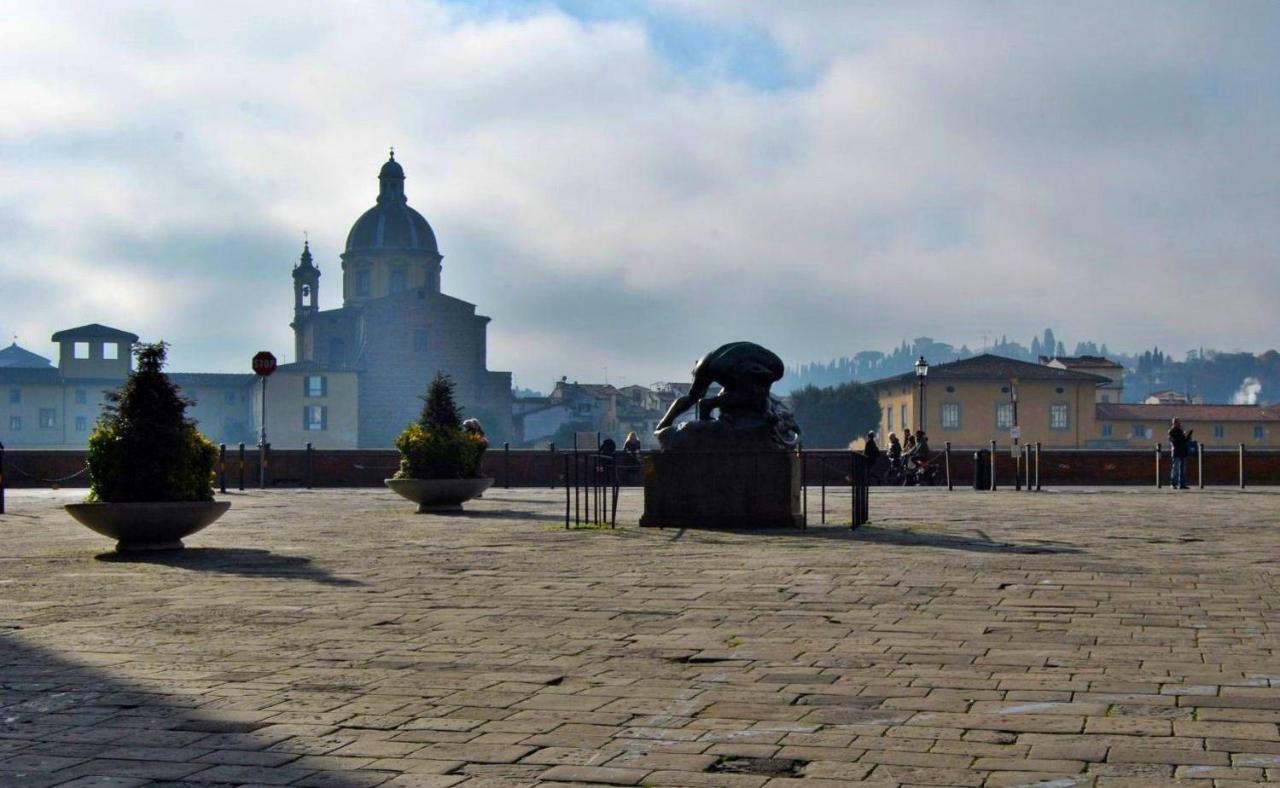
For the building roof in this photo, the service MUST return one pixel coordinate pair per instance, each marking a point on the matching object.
(597, 390)
(391, 224)
(30, 375)
(94, 331)
(14, 356)
(1116, 411)
(1085, 362)
(992, 367)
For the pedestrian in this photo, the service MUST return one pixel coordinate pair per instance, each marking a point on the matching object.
(632, 446)
(895, 448)
(1180, 444)
(872, 452)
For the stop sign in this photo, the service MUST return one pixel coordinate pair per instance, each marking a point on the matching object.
(264, 363)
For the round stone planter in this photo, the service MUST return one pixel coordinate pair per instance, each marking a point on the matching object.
(159, 525)
(439, 495)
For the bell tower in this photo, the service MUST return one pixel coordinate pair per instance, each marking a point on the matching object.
(306, 297)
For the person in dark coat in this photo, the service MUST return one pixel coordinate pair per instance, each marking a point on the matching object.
(872, 452)
(1180, 443)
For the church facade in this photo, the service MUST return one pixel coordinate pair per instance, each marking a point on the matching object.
(395, 330)
(359, 370)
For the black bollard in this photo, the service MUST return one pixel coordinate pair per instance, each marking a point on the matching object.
(1242, 466)
(946, 456)
(1159, 481)
(1037, 466)
(506, 465)
(222, 468)
(1200, 464)
(308, 466)
(993, 466)
(1, 478)
(242, 467)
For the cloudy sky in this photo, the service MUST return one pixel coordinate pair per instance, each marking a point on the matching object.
(622, 185)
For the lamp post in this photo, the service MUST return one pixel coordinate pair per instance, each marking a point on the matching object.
(922, 370)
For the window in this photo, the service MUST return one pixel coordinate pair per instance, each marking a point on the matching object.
(47, 418)
(1141, 431)
(82, 423)
(230, 397)
(15, 423)
(1259, 432)
(315, 385)
(15, 396)
(420, 340)
(1106, 430)
(582, 407)
(1219, 431)
(398, 280)
(110, 351)
(888, 419)
(79, 349)
(1106, 397)
(904, 417)
(1058, 416)
(363, 280)
(951, 415)
(315, 418)
(82, 397)
(1004, 415)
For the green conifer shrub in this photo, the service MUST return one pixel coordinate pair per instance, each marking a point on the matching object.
(435, 446)
(144, 448)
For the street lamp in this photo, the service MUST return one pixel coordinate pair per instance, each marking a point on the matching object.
(922, 370)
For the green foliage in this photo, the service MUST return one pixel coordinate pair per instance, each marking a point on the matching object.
(439, 410)
(435, 447)
(144, 448)
(832, 417)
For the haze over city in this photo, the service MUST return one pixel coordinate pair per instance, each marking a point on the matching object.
(623, 185)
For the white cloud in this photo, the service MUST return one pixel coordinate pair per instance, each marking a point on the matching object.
(1108, 170)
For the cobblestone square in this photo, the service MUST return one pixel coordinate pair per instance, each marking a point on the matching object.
(336, 638)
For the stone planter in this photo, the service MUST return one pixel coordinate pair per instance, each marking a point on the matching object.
(439, 495)
(159, 525)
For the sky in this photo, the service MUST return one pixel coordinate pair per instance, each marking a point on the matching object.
(624, 185)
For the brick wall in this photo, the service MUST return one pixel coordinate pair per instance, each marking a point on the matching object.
(536, 468)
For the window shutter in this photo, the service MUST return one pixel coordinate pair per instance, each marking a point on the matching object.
(324, 386)
(305, 421)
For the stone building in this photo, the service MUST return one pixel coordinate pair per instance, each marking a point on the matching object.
(394, 331)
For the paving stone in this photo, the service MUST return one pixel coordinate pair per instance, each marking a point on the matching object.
(335, 638)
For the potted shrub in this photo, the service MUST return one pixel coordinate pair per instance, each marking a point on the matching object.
(439, 460)
(150, 470)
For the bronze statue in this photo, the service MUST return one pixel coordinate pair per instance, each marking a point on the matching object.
(749, 418)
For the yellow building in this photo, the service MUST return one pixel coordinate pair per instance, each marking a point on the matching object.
(310, 403)
(987, 397)
(1125, 426)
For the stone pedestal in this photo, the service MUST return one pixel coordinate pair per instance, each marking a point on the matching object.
(755, 489)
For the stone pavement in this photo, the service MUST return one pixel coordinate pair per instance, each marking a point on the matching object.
(335, 638)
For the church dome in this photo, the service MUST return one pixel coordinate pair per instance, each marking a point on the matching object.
(391, 224)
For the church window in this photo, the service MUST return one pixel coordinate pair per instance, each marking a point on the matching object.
(15, 423)
(315, 418)
(82, 423)
(316, 385)
(15, 396)
(398, 280)
(82, 397)
(79, 349)
(110, 351)
(364, 278)
(47, 418)
(421, 340)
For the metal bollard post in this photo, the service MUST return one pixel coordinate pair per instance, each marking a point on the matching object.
(1159, 481)
(1242, 466)
(1017, 468)
(946, 459)
(222, 467)
(1037, 466)
(266, 461)
(1200, 464)
(1026, 466)
(242, 467)
(1, 478)
(993, 466)
(506, 465)
(308, 466)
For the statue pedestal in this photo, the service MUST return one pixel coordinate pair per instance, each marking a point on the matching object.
(734, 489)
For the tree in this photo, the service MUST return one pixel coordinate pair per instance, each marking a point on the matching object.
(832, 417)
(439, 410)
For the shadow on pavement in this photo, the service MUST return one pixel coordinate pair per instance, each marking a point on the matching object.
(878, 535)
(233, 561)
(62, 722)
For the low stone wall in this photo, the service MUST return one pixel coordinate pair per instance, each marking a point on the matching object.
(542, 468)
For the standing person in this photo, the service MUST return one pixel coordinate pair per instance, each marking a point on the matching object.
(1180, 443)
(895, 448)
(632, 446)
(872, 452)
(908, 443)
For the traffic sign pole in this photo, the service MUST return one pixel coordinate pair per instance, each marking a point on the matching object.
(263, 365)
